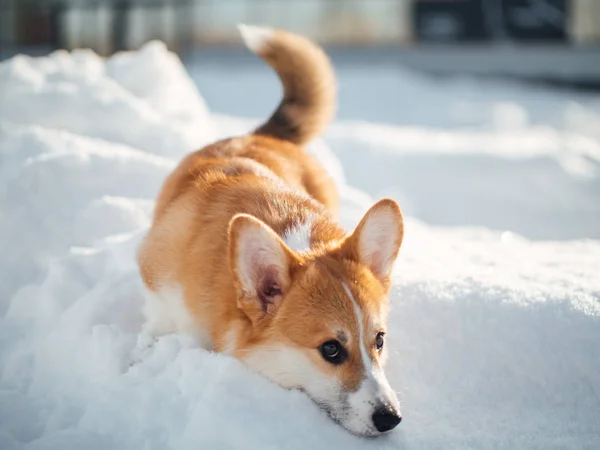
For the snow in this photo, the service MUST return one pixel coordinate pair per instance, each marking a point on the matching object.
(495, 318)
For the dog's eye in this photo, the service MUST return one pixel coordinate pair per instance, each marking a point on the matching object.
(333, 352)
(379, 340)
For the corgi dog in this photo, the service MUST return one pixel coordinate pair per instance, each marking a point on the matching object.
(245, 254)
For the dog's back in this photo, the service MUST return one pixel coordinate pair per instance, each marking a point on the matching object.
(276, 147)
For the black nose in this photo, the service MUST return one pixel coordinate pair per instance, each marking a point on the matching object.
(386, 419)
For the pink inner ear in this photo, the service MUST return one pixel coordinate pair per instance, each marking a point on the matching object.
(268, 286)
(376, 263)
(262, 268)
(377, 252)
(255, 259)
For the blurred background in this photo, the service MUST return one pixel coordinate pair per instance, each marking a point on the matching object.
(549, 40)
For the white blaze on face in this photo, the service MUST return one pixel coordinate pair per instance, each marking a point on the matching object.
(374, 390)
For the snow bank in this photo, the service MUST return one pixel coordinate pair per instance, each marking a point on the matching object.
(494, 337)
(142, 99)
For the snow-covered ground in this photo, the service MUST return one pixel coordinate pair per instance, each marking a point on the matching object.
(495, 325)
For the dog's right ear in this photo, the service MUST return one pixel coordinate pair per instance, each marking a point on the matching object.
(261, 264)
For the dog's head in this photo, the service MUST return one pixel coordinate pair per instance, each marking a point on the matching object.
(319, 322)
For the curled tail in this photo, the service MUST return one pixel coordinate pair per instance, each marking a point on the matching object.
(309, 85)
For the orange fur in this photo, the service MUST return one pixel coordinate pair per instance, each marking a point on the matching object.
(226, 199)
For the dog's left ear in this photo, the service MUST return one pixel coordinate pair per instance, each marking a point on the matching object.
(376, 240)
(261, 264)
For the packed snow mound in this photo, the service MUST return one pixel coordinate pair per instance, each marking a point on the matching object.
(493, 337)
(143, 99)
